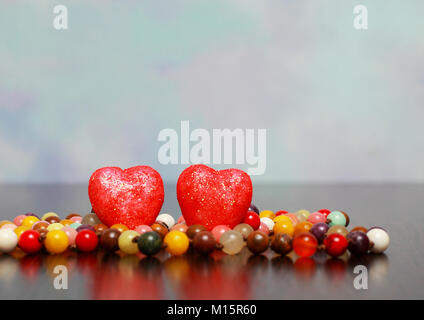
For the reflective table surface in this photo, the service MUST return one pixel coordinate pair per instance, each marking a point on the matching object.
(396, 274)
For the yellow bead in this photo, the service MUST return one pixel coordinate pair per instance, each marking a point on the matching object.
(119, 226)
(176, 242)
(66, 222)
(19, 230)
(49, 214)
(29, 221)
(304, 213)
(3, 222)
(282, 218)
(126, 243)
(56, 241)
(284, 227)
(55, 226)
(267, 214)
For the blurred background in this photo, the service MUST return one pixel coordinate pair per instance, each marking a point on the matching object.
(339, 105)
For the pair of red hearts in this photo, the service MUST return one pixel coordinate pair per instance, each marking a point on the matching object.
(135, 196)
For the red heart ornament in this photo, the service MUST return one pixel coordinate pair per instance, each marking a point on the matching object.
(133, 196)
(210, 198)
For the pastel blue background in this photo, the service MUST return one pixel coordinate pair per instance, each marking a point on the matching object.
(339, 105)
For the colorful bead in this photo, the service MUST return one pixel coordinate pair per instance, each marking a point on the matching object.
(85, 227)
(244, 229)
(319, 230)
(304, 213)
(19, 230)
(71, 233)
(269, 223)
(316, 217)
(142, 228)
(121, 227)
(4, 222)
(77, 219)
(325, 212)
(284, 227)
(180, 227)
(160, 228)
(300, 217)
(204, 242)
(293, 218)
(218, 231)
(75, 225)
(305, 244)
(86, 240)
(52, 219)
(71, 215)
(177, 242)
(281, 212)
(126, 243)
(56, 241)
(346, 217)
(267, 214)
(66, 222)
(10, 226)
(302, 227)
(100, 228)
(49, 214)
(281, 218)
(252, 219)
(335, 244)
(379, 239)
(8, 240)
(257, 242)
(167, 219)
(359, 228)
(253, 208)
(109, 240)
(29, 221)
(336, 219)
(149, 243)
(338, 229)
(232, 242)
(358, 243)
(29, 241)
(282, 243)
(55, 226)
(263, 228)
(90, 219)
(18, 220)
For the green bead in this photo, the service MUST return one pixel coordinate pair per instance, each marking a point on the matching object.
(75, 225)
(149, 243)
(337, 219)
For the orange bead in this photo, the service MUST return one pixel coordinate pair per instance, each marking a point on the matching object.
(176, 242)
(303, 226)
(56, 241)
(66, 222)
(305, 244)
(121, 227)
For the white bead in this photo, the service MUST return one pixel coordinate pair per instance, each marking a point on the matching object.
(380, 238)
(8, 240)
(166, 219)
(268, 222)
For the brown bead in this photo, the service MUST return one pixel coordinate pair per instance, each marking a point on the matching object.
(194, 229)
(347, 218)
(40, 225)
(359, 228)
(204, 242)
(71, 215)
(43, 233)
(91, 219)
(160, 228)
(282, 244)
(52, 219)
(100, 228)
(257, 242)
(109, 240)
(244, 229)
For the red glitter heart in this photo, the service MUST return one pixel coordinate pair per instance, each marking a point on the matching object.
(210, 198)
(132, 196)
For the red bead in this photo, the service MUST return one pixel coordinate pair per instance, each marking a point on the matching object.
(86, 240)
(305, 244)
(280, 212)
(335, 244)
(253, 220)
(29, 241)
(325, 212)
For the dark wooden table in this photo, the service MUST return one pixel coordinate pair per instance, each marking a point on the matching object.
(397, 274)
